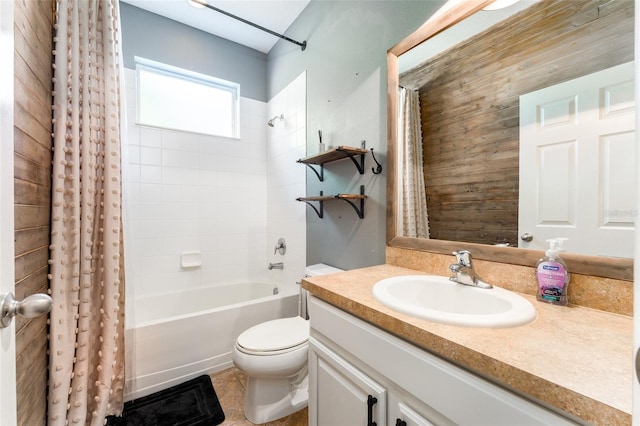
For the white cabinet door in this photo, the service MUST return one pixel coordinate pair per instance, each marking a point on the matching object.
(577, 164)
(402, 414)
(340, 394)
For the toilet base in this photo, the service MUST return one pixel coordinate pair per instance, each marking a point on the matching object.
(268, 399)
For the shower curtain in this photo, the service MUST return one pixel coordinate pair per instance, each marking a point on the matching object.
(413, 198)
(86, 337)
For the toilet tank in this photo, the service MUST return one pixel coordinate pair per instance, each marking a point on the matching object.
(320, 269)
(313, 271)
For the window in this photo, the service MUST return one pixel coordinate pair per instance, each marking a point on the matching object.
(178, 99)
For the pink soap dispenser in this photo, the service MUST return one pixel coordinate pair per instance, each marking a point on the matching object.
(552, 275)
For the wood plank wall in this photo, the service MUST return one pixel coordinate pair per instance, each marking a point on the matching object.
(469, 100)
(32, 138)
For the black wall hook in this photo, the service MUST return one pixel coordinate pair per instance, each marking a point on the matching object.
(378, 169)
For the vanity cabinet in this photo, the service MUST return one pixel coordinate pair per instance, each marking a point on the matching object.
(351, 361)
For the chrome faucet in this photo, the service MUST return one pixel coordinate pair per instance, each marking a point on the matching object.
(278, 265)
(463, 271)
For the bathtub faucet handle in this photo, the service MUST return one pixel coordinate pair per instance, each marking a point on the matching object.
(278, 265)
(281, 247)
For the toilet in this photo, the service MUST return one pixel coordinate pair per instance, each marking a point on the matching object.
(274, 357)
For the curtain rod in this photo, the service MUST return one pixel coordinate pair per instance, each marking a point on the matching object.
(303, 45)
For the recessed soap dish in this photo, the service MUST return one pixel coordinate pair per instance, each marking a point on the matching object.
(190, 259)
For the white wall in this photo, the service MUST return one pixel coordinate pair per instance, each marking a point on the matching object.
(345, 62)
(286, 143)
(190, 192)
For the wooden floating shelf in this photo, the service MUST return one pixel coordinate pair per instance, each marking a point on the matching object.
(351, 196)
(335, 154)
(346, 197)
(333, 197)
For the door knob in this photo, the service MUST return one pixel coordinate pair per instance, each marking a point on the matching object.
(31, 307)
(526, 237)
(638, 365)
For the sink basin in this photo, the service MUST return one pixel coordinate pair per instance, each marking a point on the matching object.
(438, 299)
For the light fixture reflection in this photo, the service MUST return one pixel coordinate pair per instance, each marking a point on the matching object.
(197, 4)
(500, 4)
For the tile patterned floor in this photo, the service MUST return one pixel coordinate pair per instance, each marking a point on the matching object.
(230, 387)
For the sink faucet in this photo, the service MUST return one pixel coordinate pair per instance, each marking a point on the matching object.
(463, 271)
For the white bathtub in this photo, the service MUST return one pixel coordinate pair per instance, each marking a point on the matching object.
(179, 336)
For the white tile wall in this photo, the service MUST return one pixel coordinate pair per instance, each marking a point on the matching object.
(286, 143)
(228, 198)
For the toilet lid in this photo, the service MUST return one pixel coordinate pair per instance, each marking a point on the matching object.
(275, 335)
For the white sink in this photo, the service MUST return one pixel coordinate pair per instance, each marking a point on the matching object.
(438, 299)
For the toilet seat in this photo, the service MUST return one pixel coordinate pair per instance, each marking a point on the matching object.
(274, 337)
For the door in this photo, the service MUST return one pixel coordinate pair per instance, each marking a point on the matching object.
(577, 156)
(7, 335)
(339, 393)
(636, 270)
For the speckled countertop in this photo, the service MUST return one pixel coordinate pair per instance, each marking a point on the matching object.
(576, 359)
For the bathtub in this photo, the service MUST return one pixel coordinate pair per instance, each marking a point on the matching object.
(176, 337)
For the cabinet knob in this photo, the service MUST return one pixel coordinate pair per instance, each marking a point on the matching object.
(400, 422)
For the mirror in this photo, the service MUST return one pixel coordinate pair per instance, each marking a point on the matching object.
(590, 265)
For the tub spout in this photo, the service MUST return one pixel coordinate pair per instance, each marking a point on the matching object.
(278, 265)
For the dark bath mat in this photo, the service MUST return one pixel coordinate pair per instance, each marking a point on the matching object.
(192, 403)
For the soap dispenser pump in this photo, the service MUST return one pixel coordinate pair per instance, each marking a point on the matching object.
(552, 275)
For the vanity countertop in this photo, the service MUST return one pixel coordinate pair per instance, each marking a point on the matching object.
(576, 359)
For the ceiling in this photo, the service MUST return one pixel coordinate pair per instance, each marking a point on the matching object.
(276, 15)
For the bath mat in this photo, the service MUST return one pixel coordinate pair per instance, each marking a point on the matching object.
(192, 403)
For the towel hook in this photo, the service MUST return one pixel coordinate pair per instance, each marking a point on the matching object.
(378, 169)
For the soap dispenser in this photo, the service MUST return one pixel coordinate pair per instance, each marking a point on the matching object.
(552, 275)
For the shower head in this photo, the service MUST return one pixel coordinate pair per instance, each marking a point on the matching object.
(271, 123)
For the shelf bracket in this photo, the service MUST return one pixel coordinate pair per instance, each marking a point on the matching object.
(320, 175)
(320, 211)
(359, 164)
(359, 210)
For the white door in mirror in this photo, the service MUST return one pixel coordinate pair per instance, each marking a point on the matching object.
(438, 299)
(577, 164)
